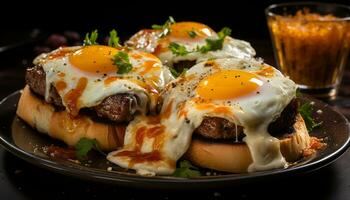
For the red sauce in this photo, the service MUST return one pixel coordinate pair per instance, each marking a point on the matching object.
(72, 97)
(140, 135)
(222, 110)
(61, 74)
(143, 132)
(153, 129)
(110, 80)
(136, 56)
(138, 157)
(60, 85)
(266, 71)
(315, 145)
(61, 153)
(167, 112)
(59, 54)
(148, 66)
(159, 49)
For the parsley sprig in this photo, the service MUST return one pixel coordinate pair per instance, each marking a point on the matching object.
(84, 146)
(121, 60)
(113, 40)
(211, 44)
(177, 73)
(165, 28)
(192, 33)
(178, 49)
(90, 38)
(305, 111)
(186, 170)
(215, 44)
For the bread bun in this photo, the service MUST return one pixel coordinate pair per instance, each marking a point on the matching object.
(60, 125)
(236, 158)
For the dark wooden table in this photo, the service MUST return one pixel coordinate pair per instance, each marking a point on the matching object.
(21, 180)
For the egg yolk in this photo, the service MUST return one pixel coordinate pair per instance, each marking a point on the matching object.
(228, 84)
(94, 59)
(192, 30)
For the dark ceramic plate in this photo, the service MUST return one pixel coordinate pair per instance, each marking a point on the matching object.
(26, 143)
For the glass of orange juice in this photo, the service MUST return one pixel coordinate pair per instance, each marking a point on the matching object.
(311, 44)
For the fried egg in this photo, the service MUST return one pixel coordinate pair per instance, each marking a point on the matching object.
(246, 92)
(191, 35)
(85, 75)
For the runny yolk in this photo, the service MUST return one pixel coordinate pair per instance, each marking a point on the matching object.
(228, 84)
(185, 29)
(94, 59)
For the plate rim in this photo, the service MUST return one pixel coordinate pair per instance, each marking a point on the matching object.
(119, 178)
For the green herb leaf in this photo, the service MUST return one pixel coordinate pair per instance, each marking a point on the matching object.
(84, 146)
(226, 31)
(121, 60)
(192, 34)
(165, 27)
(113, 40)
(90, 39)
(298, 93)
(157, 27)
(306, 112)
(215, 44)
(174, 72)
(178, 49)
(186, 170)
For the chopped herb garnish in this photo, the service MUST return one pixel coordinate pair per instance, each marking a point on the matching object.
(215, 44)
(174, 72)
(121, 60)
(186, 170)
(90, 39)
(178, 49)
(306, 112)
(113, 40)
(157, 27)
(84, 146)
(211, 44)
(226, 31)
(165, 27)
(192, 34)
(298, 93)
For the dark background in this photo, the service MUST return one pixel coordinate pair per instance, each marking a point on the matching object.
(245, 17)
(21, 180)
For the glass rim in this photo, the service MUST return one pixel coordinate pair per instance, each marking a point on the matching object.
(269, 13)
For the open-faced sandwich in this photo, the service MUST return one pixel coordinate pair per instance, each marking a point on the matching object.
(228, 112)
(91, 91)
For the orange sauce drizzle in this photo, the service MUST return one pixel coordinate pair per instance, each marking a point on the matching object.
(110, 80)
(72, 97)
(60, 85)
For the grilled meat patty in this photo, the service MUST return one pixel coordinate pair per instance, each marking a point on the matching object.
(118, 107)
(219, 128)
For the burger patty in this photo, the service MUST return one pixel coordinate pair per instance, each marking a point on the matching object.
(118, 107)
(220, 128)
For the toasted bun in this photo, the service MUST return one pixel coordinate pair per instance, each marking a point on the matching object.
(42, 116)
(236, 158)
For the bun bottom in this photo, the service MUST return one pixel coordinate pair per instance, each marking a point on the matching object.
(60, 125)
(236, 158)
